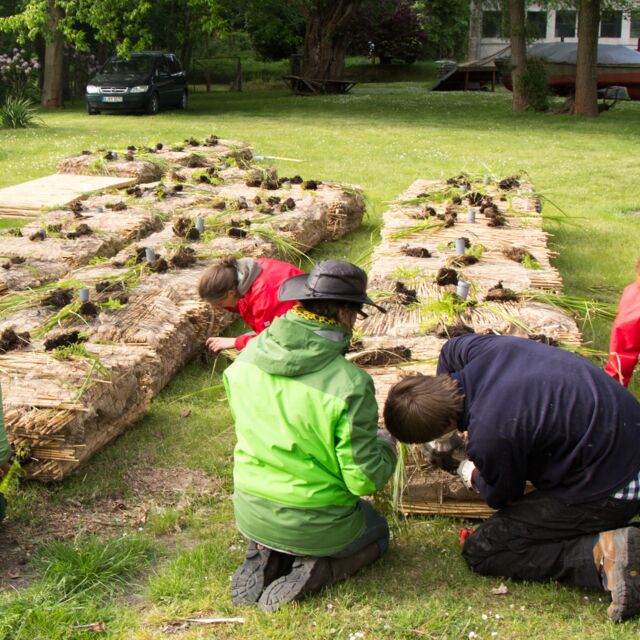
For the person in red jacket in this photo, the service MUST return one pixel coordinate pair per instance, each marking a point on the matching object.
(624, 345)
(248, 286)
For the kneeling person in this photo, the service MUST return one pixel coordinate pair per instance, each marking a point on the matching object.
(539, 414)
(308, 448)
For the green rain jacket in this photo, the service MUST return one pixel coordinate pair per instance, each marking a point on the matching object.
(306, 423)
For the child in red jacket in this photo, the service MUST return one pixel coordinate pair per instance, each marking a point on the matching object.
(624, 346)
(248, 286)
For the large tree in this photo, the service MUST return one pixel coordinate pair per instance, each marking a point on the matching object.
(587, 58)
(517, 34)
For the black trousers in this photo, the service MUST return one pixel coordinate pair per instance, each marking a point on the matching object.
(540, 538)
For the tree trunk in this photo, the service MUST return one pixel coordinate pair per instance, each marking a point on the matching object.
(326, 38)
(475, 30)
(518, 53)
(52, 86)
(587, 58)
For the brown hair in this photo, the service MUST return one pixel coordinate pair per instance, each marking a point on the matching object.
(220, 278)
(344, 313)
(422, 408)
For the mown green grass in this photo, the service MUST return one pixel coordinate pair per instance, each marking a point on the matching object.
(381, 137)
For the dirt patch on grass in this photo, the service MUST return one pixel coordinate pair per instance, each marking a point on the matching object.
(148, 489)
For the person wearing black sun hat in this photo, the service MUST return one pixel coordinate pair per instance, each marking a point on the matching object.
(308, 445)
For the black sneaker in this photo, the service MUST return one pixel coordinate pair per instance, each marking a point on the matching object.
(260, 568)
(308, 575)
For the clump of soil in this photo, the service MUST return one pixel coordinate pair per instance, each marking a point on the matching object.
(236, 232)
(487, 201)
(311, 185)
(159, 146)
(242, 203)
(141, 255)
(273, 200)
(288, 205)
(110, 286)
(58, 298)
(218, 203)
(446, 276)
(85, 152)
(517, 254)
(415, 252)
(75, 206)
(54, 228)
(265, 179)
(13, 260)
(457, 200)
(15, 232)
(116, 206)
(474, 198)
(264, 209)
(136, 191)
(497, 221)
(110, 155)
(211, 141)
(38, 236)
(512, 182)
(541, 337)
(382, 357)
(449, 216)
(159, 265)
(11, 341)
(204, 178)
(88, 309)
(192, 142)
(129, 157)
(195, 161)
(183, 258)
(501, 294)
(453, 330)
(403, 295)
(462, 261)
(460, 180)
(82, 229)
(296, 180)
(184, 228)
(63, 340)
(177, 147)
(177, 188)
(131, 147)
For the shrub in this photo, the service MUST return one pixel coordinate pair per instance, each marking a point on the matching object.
(534, 85)
(19, 113)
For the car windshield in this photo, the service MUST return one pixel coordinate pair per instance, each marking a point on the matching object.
(135, 66)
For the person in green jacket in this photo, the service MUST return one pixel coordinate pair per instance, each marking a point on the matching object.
(5, 456)
(308, 445)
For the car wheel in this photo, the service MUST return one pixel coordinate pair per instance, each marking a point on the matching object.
(182, 104)
(91, 111)
(153, 106)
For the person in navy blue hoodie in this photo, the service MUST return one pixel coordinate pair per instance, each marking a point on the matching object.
(540, 414)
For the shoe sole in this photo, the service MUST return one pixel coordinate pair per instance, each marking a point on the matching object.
(248, 580)
(625, 594)
(288, 588)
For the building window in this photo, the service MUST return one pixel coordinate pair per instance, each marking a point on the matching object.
(537, 25)
(611, 24)
(492, 24)
(635, 24)
(565, 24)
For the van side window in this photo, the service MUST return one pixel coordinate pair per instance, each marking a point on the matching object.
(174, 65)
(163, 67)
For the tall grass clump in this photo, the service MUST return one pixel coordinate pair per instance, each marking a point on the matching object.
(19, 113)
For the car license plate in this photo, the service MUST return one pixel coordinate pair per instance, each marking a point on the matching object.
(112, 99)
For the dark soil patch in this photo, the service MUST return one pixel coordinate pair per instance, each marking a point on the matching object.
(517, 254)
(12, 341)
(129, 157)
(474, 198)
(415, 252)
(13, 260)
(131, 147)
(140, 254)
(54, 228)
(38, 236)
(461, 261)
(88, 309)
(446, 276)
(184, 228)
(136, 191)
(159, 265)
(192, 142)
(242, 203)
(273, 200)
(382, 357)
(110, 155)
(219, 204)
(177, 188)
(497, 221)
(58, 298)
(457, 200)
(253, 182)
(83, 229)
(288, 205)
(196, 162)
(509, 183)
(184, 258)
(15, 232)
(211, 141)
(236, 232)
(110, 286)
(541, 337)
(205, 179)
(500, 294)
(63, 340)
(453, 330)
(461, 180)
(296, 180)
(404, 295)
(311, 185)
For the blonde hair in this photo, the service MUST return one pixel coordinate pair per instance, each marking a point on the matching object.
(220, 278)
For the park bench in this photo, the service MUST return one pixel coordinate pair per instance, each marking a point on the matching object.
(313, 87)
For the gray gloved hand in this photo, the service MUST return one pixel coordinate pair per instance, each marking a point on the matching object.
(383, 434)
(465, 471)
(445, 452)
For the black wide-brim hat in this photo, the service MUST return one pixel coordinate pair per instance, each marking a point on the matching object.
(329, 280)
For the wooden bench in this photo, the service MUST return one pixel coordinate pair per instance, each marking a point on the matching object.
(314, 87)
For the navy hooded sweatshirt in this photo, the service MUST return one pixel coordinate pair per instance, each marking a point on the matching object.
(539, 413)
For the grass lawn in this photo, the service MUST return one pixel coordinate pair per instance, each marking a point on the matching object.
(176, 561)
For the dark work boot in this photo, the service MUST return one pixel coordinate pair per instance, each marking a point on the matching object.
(311, 574)
(617, 554)
(260, 568)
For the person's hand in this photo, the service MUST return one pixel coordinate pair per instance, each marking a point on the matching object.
(218, 344)
(465, 471)
(383, 434)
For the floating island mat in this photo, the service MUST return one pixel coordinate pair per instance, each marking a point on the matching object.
(76, 373)
(415, 272)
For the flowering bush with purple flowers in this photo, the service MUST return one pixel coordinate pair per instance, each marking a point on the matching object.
(18, 72)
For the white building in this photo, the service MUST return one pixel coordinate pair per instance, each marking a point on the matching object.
(486, 30)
